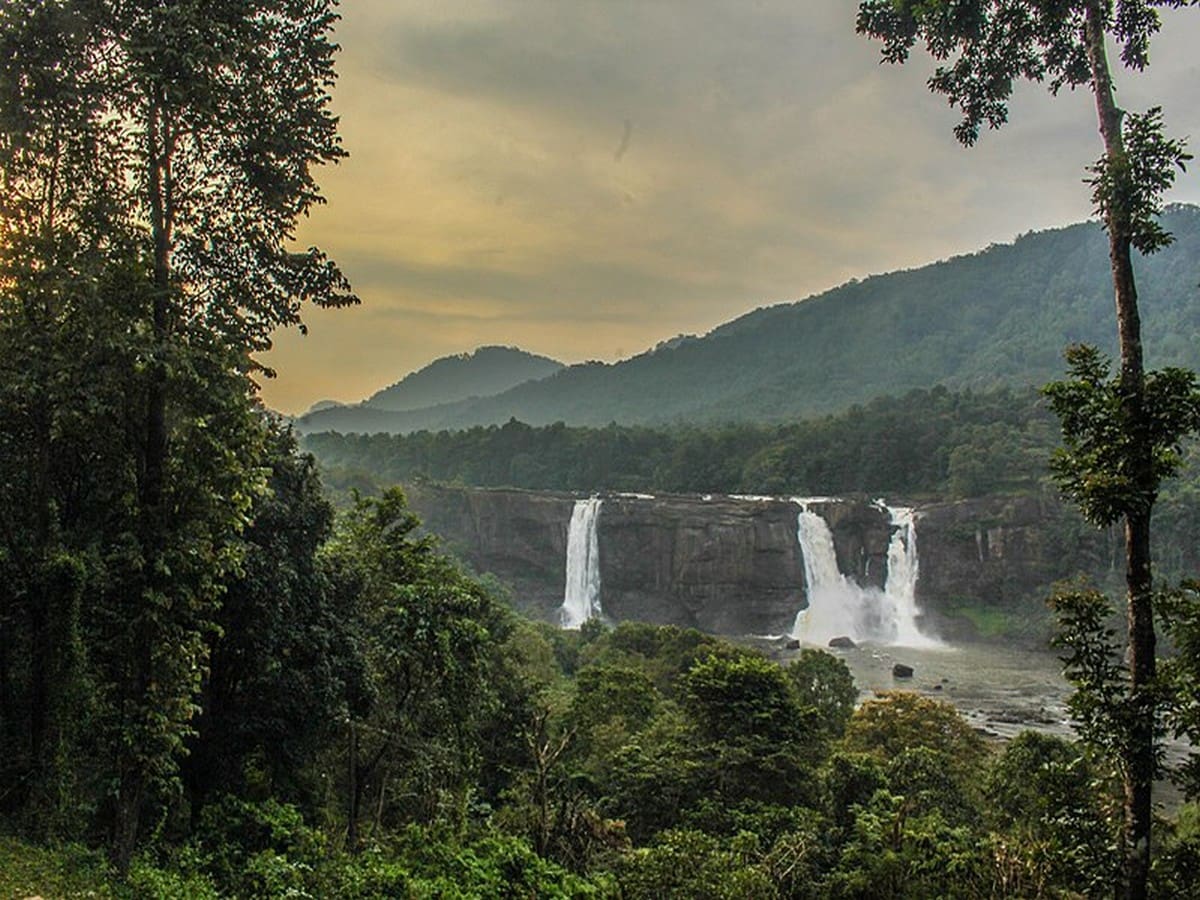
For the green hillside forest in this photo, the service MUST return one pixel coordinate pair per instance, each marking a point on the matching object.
(1001, 316)
(483, 373)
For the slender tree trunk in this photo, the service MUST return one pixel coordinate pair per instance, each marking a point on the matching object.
(42, 597)
(156, 418)
(7, 708)
(353, 792)
(38, 690)
(152, 519)
(1139, 777)
(127, 817)
(1139, 764)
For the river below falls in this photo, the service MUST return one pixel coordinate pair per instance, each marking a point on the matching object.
(1001, 691)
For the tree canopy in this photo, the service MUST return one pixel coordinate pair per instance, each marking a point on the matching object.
(1117, 453)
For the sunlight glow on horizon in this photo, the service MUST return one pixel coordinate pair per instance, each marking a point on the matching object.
(585, 181)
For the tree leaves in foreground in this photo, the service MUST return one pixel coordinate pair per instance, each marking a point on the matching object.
(154, 158)
(981, 49)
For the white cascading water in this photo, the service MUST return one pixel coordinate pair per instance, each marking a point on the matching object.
(834, 601)
(900, 589)
(581, 599)
(838, 606)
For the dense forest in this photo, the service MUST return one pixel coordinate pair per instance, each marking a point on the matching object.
(927, 443)
(374, 723)
(213, 684)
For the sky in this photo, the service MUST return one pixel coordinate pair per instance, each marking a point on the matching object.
(586, 178)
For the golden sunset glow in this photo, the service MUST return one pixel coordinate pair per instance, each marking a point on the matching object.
(586, 179)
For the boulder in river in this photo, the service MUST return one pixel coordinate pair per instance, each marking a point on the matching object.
(900, 670)
(842, 642)
(793, 644)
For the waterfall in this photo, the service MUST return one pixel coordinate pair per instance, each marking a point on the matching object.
(581, 599)
(837, 605)
(900, 589)
(834, 602)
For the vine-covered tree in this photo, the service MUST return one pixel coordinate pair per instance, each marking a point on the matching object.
(1118, 452)
(154, 159)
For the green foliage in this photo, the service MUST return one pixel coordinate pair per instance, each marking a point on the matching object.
(1121, 436)
(424, 631)
(155, 160)
(984, 47)
(923, 442)
(256, 849)
(1179, 675)
(1041, 795)
(71, 871)
(926, 779)
(1176, 870)
(662, 652)
(159, 882)
(527, 677)
(627, 792)
(493, 865)
(693, 864)
(849, 780)
(1099, 466)
(891, 854)
(744, 697)
(1128, 187)
(823, 682)
(281, 661)
(656, 777)
(611, 704)
(895, 721)
(1105, 706)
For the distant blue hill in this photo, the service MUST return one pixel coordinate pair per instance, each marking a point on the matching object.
(446, 382)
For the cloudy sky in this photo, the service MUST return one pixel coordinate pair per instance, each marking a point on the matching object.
(584, 178)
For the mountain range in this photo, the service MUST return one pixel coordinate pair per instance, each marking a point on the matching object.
(1001, 316)
(444, 384)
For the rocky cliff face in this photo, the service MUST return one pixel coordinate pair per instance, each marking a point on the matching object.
(861, 533)
(519, 536)
(1006, 553)
(723, 564)
(733, 565)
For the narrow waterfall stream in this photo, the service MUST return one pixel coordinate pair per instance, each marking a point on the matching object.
(839, 606)
(900, 589)
(581, 599)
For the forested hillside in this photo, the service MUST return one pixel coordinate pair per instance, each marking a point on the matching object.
(925, 443)
(998, 317)
(434, 391)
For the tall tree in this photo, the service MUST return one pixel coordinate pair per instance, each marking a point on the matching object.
(983, 47)
(424, 630)
(282, 658)
(173, 141)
